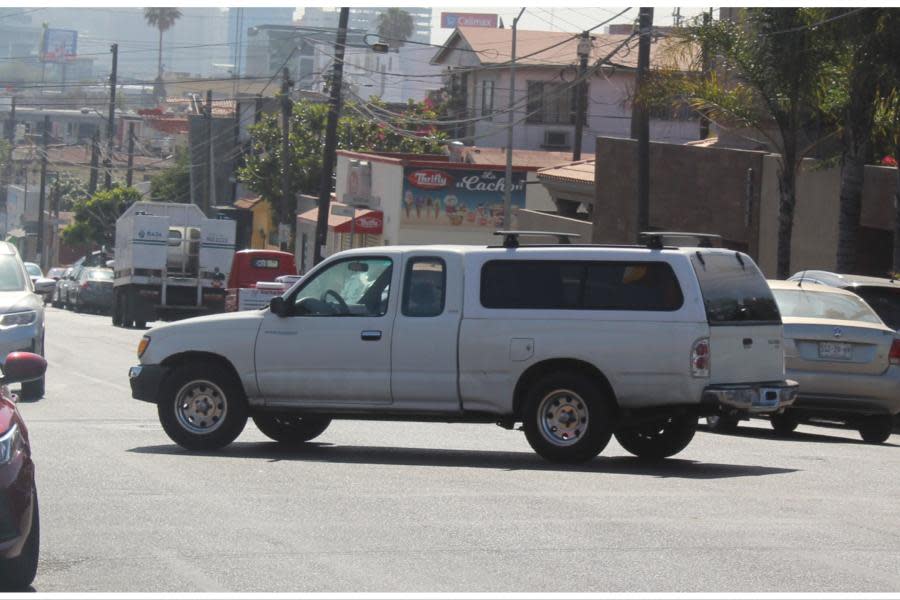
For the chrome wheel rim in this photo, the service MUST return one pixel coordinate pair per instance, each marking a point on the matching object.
(200, 406)
(563, 417)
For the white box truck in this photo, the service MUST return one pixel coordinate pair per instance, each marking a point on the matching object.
(171, 262)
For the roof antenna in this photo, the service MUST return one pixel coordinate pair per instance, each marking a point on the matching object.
(802, 275)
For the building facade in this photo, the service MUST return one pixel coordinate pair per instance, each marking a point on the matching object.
(475, 61)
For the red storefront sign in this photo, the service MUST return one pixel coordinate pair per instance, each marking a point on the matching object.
(369, 223)
(429, 179)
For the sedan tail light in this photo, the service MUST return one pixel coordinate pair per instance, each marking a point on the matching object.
(895, 352)
(700, 358)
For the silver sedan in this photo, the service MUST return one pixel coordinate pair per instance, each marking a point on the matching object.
(846, 360)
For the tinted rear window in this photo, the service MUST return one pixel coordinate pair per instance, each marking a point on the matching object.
(734, 290)
(884, 301)
(581, 285)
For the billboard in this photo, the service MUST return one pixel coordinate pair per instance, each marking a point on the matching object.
(454, 20)
(464, 198)
(59, 45)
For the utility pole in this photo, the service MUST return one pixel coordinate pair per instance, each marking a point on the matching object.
(705, 66)
(640, 123)
(45, 143)
(111, 122)
(507, 184)
(334, 109)
(584, 52)
(8, 168)
(95, 163)
(287, 108)
(130, 176)
(211, 164)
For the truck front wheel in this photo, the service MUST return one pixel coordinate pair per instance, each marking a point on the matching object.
(202, 406)
(291, 429)
(567, 417)
(660, 440)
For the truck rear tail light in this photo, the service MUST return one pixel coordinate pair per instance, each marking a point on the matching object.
(895, 352)
(84, 285)
(700, 358)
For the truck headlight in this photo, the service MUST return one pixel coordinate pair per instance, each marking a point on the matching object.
(18, 318)
(10, 443)
(142, 345)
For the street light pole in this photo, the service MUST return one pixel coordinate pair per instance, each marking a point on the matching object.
(584, 51)
(507, 187)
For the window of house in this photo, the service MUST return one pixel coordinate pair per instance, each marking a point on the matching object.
(580, 285)
(552, 103)
(487, 98)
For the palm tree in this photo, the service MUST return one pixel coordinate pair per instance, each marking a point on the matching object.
(395, 25)
(163, 19)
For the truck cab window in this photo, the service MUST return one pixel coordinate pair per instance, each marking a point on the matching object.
(423, 288)
(358, 287)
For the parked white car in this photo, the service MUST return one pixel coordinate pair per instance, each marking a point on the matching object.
(21, 314)
(576, 342)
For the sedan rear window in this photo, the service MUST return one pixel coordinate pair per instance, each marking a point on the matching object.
(823, 305)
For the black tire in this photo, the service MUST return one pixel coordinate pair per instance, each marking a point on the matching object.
(722, 424)
(202, 406)
(33, 390)
(16, 574)
(659, 441)
(784, 424)
(876, 430)
(578, 399)
(291, 429)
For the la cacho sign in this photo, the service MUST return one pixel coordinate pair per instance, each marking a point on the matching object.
(465, 198)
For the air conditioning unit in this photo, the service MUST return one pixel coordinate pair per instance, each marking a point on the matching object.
(556, 139)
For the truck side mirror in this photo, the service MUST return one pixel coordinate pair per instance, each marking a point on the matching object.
(278, 306)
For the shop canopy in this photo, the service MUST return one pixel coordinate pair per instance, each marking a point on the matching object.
(370, 222)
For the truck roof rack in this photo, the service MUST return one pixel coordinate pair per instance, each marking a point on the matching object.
(654, 239)
(511, 238)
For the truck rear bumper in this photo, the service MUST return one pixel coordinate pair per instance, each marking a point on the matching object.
(751, 398)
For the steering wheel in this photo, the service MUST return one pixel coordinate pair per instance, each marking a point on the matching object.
(341, 304)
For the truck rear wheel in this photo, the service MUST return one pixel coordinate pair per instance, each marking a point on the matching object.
(291, 429)
(567, 417)
(202, 406)
(876, 430)
(784, 423)
(660, 440)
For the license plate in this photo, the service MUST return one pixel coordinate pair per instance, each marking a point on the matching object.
(835, 350)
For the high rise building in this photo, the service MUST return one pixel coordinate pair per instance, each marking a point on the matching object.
(242, 19)
(365, 18)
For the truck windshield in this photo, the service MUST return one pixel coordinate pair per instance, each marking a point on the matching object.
(11, 277)
(734, 290)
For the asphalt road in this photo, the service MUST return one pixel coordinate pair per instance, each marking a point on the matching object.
(381, 507)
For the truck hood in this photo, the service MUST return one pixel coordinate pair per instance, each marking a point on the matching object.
(242, 319)
(231, 335)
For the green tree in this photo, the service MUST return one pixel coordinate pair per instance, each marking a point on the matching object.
(769, 76)
(174, 183)
(4, 154)
(395, 26)
(359, 132)
(71, 190)
(95, 217)
(163, 19)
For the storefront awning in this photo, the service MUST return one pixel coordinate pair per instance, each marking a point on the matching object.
(370, 222)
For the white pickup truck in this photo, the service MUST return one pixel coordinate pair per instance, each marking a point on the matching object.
(577, 343)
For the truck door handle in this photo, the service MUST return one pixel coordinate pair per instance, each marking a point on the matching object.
(370, 335)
